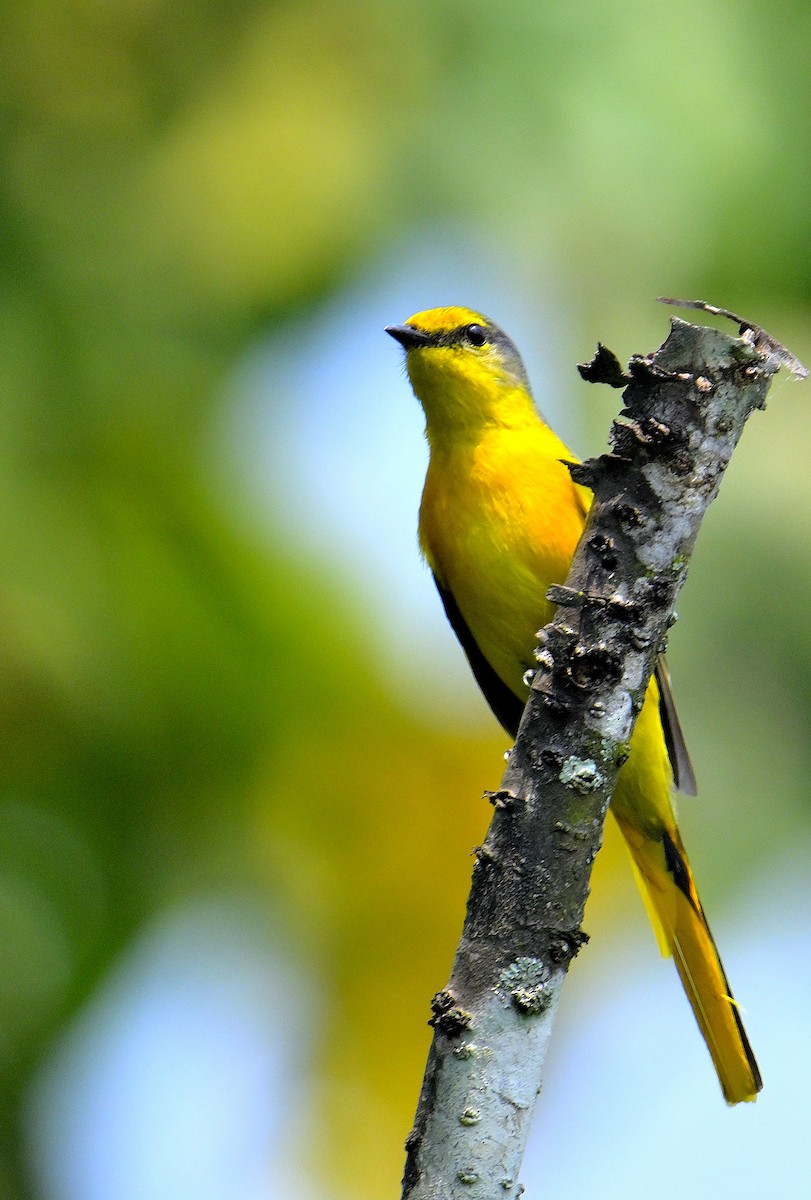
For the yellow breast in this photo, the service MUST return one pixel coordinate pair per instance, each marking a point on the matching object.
(499, 522)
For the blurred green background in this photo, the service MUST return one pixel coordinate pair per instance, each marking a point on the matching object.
(241, 762)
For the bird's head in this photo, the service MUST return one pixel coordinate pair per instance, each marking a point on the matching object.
(464, 370)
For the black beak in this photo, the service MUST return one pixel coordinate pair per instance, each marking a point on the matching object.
(408, 336)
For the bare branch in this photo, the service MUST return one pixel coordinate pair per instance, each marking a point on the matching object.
(763, 341)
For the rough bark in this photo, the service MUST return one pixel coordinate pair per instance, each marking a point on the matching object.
(685, 408)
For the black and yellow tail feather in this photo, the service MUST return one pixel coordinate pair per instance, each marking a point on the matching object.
(673, 905)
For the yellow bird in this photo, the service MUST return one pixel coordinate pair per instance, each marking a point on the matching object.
(499, 521)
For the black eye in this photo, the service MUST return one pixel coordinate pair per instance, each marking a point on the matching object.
(476, 335)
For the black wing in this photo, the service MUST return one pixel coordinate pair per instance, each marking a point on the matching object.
(683, 774)
(504, 702)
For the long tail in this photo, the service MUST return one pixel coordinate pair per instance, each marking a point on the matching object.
(669, 891)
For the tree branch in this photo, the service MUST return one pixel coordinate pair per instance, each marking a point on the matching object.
(685, 408)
